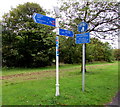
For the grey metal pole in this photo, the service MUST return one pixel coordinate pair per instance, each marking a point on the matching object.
(57, 58)
(57, 12)
(83, 70)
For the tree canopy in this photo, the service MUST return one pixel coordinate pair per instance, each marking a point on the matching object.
(103, 20)
(26, 43)
(29, 44)
(117, 54)
(95, 51)
(102, 17)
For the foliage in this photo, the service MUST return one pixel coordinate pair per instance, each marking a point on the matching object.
(95, 51)
(99, 51)
(69, 51)
(103, 20)
(117, 54)
(102, 17)
(26, 43)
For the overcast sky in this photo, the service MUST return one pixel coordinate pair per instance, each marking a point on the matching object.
(6, 5)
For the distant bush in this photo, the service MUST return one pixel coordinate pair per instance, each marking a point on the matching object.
(117, 54)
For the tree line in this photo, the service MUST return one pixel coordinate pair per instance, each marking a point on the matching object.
(29, 44)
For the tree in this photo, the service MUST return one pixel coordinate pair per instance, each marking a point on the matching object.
(69, 51)
(102, 17)
(117, 54)
(26, 43)
(99, 51)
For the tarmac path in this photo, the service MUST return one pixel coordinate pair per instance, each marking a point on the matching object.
(115, 101)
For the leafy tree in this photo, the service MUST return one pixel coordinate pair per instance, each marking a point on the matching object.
(108, 52)
(69, 51)
(26, 43)
(102, 17)
(95, 51)
(99, 51)
(117, 54)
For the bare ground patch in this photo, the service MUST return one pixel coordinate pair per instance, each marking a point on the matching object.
(31, 75)
(41, 73)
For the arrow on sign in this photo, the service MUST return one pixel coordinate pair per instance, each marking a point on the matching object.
(39, 18)
(34, 17)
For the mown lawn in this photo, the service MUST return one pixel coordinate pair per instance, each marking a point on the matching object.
(37, 86)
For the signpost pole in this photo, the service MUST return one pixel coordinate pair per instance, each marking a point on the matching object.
(82, 27)
(57, 58)
(57, 12)
(83, 66)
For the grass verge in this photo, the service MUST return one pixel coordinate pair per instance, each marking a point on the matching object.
(101, 84)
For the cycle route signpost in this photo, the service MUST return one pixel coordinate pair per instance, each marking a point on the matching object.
(54, 22)
(82, 39)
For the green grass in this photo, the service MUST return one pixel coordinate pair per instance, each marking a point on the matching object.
(101, 84)
(12, 71)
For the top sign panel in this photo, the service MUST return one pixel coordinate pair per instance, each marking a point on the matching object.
(39, 18)
(82, 27)
(66, 32)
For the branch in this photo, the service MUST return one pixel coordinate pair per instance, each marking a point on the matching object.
(99, 13)
(93, 29)
(96, 16)
(86, 11)
(105, 30)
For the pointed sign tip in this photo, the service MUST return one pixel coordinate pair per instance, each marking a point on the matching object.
(34, 15)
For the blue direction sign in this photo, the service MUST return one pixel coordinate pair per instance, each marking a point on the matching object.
(83, 38)
(66, 33)
(39, 18)
(82, 27)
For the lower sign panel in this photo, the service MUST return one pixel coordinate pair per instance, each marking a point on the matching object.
(83, 38)
(66, 32)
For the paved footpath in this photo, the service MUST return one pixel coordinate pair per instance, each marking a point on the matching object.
(115, 102)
